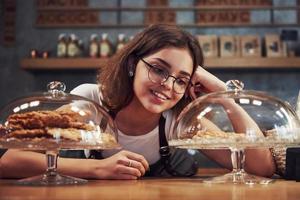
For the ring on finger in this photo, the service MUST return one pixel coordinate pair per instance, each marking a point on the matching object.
(129, 163)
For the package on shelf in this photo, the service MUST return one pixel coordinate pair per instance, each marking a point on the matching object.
(274, 46)
(230, 46)
(289, 38)
(209, 45)
(250, 46)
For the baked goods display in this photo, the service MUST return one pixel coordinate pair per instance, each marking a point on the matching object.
(62, 126)
(212, 140)
(237, 120)
(217, 139)
(208, 134)
(45, 124)
(213, 134)
(51, 121)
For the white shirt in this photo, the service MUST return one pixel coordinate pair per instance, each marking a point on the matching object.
(146, 145)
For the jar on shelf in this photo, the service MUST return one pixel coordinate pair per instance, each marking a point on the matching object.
(93, 46)
(73, 46)
(105, 46)
(121, 42)
(62, 45)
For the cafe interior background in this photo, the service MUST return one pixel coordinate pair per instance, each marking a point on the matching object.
(33, 26)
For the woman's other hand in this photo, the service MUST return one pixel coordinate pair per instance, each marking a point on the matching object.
(204, 82)
(123, 165)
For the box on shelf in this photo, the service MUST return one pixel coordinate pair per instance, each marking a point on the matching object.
(289, 38)
(209, 45)
(229, 46)
(274, 46)
(250, 45)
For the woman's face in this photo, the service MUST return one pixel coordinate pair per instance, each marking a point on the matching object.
(154, 95)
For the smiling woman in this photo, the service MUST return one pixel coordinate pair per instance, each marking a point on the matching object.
(157, 91)
(150, 41)
(144, 87)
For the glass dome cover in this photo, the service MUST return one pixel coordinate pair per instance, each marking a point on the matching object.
(235, 116)
(236, 119)
(54, 120)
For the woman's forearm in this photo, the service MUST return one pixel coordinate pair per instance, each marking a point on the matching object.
(240, 119)
(122, 165)
(257, 161)
(260, 162)
(20, 164)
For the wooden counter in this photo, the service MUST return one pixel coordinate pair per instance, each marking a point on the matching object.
(152, 189)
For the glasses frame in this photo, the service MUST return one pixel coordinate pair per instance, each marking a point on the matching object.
(166, 78)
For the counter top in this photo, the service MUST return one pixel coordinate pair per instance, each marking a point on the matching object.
(153, 188)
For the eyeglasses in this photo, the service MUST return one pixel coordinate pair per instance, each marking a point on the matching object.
(158, 74)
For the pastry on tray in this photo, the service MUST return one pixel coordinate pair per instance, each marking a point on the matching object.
(63, 125)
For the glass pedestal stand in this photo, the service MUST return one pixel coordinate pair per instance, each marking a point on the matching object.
(238, 174)
(51, 176)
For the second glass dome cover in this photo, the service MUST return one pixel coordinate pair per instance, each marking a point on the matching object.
(236, 119)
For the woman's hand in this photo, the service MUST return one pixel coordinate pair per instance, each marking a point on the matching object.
(123, 165)
(204, 82)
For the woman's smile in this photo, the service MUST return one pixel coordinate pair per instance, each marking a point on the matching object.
(159, 96)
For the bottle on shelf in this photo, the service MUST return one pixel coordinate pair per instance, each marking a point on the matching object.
(80, 48)
(45, 54)
(105, 46)
(73, 47)
(121, 42)
(33, 53)
(62, 46)
(131, 37)
(93, 46)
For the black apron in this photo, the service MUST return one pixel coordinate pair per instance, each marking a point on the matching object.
(173, 162)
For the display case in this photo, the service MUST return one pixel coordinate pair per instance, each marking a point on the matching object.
(52, 121)
(238, 120)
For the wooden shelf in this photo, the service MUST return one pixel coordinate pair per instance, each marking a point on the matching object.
(61, 63)
(207, 25)
(248, 63)
(162, 8)
(210, 63)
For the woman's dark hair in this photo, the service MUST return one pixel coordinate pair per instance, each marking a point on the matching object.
(117, 85)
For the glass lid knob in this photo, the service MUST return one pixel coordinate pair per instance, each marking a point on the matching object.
(234, 85)
(56, 88)
(56, 85)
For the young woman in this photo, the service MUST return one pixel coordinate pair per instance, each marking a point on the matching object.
(144, 87)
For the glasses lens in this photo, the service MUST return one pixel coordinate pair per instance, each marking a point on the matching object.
(157, 75)
(180, 85)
